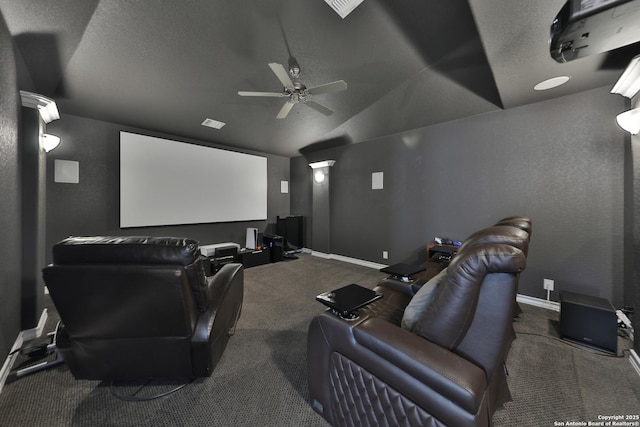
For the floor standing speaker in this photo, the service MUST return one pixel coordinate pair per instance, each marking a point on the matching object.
(588, 320)
(291, 229)
(275, 244)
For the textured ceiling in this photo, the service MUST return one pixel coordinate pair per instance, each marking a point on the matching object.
(165, 66)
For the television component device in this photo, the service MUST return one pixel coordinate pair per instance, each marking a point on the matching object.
(587, 27)
(215, 249)
(251, 241)
(295, 91)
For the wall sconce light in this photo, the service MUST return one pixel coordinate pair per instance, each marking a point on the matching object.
(318, 174)
(629, 82)
(49, 142)
(630, 121)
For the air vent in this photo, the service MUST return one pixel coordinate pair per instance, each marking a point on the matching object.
(343, 7)
(213, 123)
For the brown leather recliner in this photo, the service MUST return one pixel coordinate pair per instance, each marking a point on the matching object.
(448, 370)
(141, 307)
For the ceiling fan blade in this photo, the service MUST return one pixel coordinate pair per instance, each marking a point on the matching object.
(282, 74)
(284, 111)
(273, 94)
(328, 88)
(321, 108)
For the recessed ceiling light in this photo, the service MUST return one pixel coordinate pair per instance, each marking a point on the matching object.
(213, 123)
(552, 82)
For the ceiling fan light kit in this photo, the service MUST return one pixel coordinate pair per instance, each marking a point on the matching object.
(296, 91)
(343, 7)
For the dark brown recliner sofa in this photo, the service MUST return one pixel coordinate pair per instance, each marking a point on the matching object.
(446, 371)
(141, 307)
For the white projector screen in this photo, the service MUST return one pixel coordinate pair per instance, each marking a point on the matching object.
(164, 182)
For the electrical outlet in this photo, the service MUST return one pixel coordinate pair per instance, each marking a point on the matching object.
(548, 284)
(385, 255)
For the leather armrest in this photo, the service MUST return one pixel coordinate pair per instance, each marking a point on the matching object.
(445, 372)
(219, 282)
(225, 292)
(397, 285)
(439, 381)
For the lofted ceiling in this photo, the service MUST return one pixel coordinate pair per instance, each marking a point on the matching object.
(166, 66)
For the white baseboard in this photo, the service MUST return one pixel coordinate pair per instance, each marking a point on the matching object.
(525, 299)
(31, 334)
(23, 336)
(635, 360)
(538, 302)
(349, 260)
(320, 254)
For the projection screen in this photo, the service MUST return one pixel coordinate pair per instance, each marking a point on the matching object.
(164, 182)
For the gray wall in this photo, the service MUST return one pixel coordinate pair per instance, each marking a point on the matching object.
(632, 290)
(33, 215)
(321, 212)
(9, 194)
(561, 162)
(91, 207)
(302, 195)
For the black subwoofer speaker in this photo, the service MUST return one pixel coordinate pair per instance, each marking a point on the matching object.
(588, 320)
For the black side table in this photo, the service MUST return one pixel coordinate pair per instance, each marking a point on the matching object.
(251, 258)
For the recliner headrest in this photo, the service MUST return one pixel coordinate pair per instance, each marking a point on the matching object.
(126, 250)
(501, 234)
(521, 222)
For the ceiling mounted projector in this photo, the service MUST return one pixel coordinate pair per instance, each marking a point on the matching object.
(584, 28)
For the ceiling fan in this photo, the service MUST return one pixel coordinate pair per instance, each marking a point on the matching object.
(296, 91)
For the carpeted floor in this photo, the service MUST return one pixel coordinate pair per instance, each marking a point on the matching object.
(261, 378)
(553, 381)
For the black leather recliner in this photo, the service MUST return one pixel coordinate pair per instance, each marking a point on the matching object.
(447, 371)
(141, 307)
